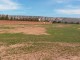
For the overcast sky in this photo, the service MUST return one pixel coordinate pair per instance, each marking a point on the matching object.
(52, 8)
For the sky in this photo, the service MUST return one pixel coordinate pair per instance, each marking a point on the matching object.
(49, 8)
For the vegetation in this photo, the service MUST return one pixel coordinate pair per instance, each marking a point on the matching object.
(43, 19)
(58, 33)
(7, 17)
(63, 42)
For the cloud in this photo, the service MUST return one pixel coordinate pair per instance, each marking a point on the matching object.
(71, 6)
(60, 1)
(64, 1)
(8, 5)
(68, 11)
(68, 8)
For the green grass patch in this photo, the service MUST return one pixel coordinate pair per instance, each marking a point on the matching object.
(69, 33)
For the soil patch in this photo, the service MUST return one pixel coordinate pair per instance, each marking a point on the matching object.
(44, 54)
(26, 30)
(7, 22)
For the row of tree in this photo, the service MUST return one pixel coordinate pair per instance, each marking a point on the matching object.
(45, 19)
(6, 17)
(66, 22)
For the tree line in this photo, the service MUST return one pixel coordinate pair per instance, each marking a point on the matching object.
(7, 17)
(45, 19)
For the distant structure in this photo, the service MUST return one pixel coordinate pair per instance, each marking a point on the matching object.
(40, 19)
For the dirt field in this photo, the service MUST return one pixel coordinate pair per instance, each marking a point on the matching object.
(21, 22)
(23, 29)
(26, 30)
(53, 51)
(35, 42)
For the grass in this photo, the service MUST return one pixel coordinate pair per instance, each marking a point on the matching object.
(69, 33)
(46, 47)
(6, 27)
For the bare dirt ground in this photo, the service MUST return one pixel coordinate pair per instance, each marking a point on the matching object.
(23, 29)
(26, 30)
(57, 52)
(21, 22)
(29, 51)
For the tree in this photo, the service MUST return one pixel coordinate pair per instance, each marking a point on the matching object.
(6, 17)
(77, 22)
(58, 21)
(65, 22)
(11, 18)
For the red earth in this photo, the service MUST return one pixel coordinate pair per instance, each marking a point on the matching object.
(21, 22)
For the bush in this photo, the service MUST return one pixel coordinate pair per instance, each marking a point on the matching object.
(59, 22)
(65, 22)
(71, 22)
(77, 22)
(53, 21)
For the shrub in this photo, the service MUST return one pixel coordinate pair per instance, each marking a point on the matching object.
(65, 22)
(77, 22)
